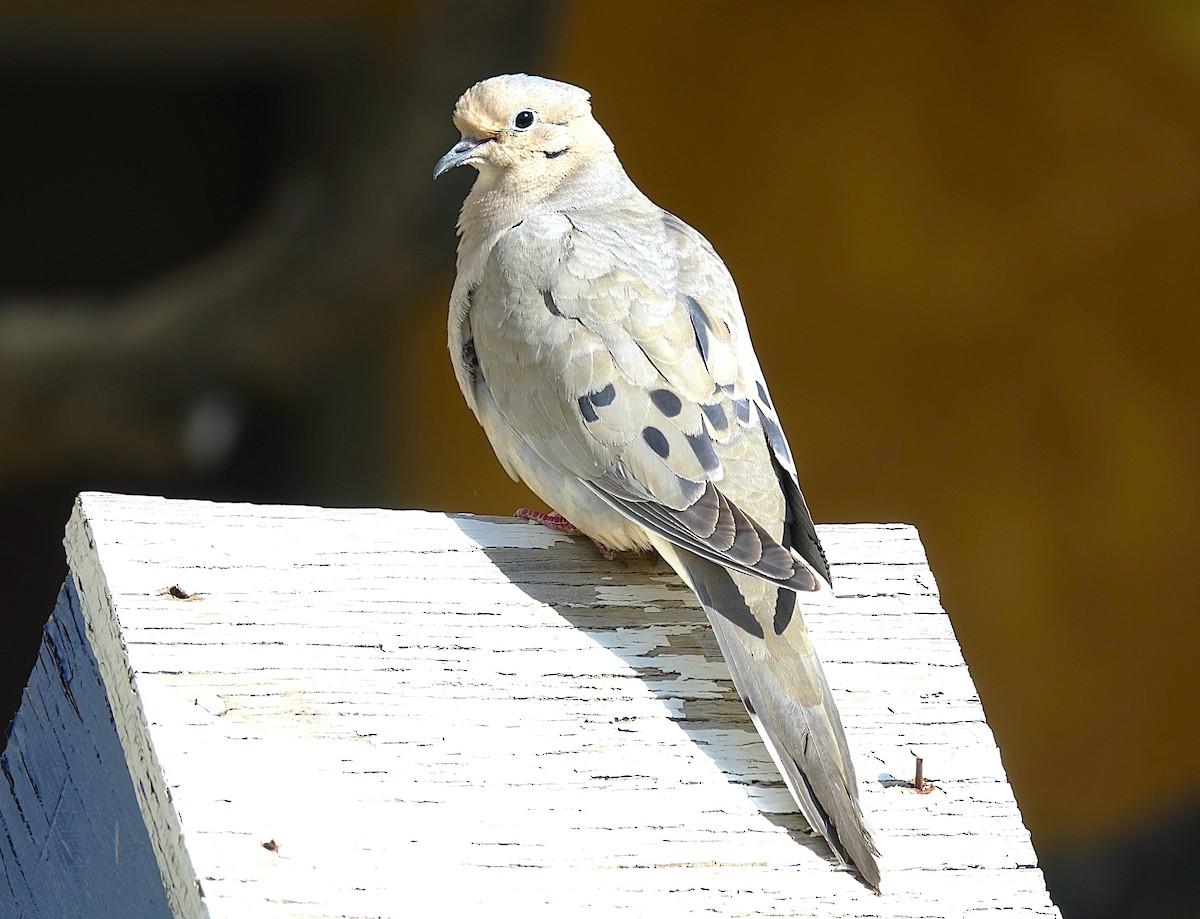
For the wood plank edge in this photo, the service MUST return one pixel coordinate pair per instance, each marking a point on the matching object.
(180, 882)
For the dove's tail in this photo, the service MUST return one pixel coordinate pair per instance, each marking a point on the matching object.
(780, 680)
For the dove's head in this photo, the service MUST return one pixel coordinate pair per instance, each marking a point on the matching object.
(525, 132)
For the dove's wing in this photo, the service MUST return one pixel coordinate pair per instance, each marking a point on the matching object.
(647, 390)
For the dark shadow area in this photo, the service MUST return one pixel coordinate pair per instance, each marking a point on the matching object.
(77, 844)
(1150, 874)
(128, 172)
(715, 721)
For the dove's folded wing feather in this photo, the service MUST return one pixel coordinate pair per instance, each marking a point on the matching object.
(651, 384)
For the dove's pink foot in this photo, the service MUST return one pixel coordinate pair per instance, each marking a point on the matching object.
(557, 521)
(553, 520)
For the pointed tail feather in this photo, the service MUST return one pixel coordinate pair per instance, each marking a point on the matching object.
(780, 680)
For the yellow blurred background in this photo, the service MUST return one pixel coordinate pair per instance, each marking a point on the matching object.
(966, 240)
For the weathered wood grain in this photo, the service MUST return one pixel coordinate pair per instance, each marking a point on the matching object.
(72, 840)
(422, 714)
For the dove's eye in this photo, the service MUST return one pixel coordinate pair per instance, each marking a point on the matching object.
(523, 119)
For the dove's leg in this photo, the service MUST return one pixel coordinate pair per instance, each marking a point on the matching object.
(553, 520)
(558, 522)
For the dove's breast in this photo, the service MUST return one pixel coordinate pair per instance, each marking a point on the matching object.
(532, 365)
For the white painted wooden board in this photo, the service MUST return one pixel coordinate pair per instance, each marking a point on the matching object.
(432, 715)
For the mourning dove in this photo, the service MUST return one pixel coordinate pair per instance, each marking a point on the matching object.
(601, 344)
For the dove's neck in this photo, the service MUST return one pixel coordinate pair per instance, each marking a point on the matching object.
(498, 202)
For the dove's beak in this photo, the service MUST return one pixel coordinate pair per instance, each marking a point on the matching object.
(460, 153)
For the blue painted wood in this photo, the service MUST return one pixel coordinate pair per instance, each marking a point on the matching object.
(72, 839)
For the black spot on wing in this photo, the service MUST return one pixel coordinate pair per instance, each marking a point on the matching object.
(666, 402)
(785, 606)
(716, 417)
(548, 299)
(586, 410)
(657, 441)
(741, 410)
(603, 397)
(762, 394)
(702, 446)
(777, 441)
(701, 325)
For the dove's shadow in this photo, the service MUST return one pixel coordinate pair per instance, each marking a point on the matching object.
(637, 608)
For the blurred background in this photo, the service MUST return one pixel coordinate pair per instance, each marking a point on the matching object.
(966, 237)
